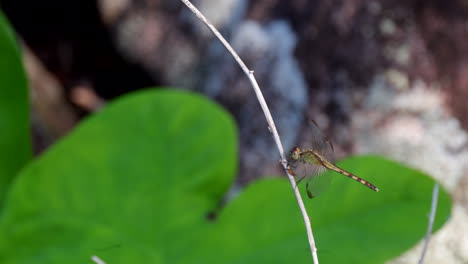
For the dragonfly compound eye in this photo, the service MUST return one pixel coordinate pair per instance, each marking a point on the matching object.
(295, 154)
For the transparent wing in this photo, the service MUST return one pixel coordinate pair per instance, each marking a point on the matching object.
(308, 169)
(319, 182)
(314, 139)
(319, 142)
(312, 175)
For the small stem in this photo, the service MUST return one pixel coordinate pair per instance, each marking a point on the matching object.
(435, 197)
(97, 260)
(271, 124)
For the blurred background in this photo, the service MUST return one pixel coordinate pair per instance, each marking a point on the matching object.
(387, 77)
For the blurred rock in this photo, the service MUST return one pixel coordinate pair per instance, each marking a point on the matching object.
(111, 10)
(52, 117)
(448, 245)
(413, 126)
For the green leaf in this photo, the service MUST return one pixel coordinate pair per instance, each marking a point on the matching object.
(351, 223)
(143, 171)
(357, 225)
(15, 144)
(136, 182)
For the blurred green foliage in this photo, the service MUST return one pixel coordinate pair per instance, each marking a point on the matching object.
(135, 183)
(15, 143)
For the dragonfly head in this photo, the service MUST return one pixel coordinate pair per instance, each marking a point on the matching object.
(295, 153)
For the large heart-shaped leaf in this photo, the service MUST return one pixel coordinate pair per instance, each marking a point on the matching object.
(140, 173)
(15, 145)
(136, 182)
(352, 224)
(369, 227)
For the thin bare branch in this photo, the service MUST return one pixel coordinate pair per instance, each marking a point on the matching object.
(97, 260)
(271, 124)
(435, 197)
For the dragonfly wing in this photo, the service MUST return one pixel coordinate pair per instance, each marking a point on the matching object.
(307, 168)
(320, 143)
(312, 175)
(318, 182)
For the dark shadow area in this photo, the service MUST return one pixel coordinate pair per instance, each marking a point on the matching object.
(73, 43)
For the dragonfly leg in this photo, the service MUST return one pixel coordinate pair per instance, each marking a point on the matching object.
(298, 181)
(309, 194)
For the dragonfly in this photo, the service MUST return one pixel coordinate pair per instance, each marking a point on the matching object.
(314, 161)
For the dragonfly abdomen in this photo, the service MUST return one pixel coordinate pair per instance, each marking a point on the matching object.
(356, 178)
